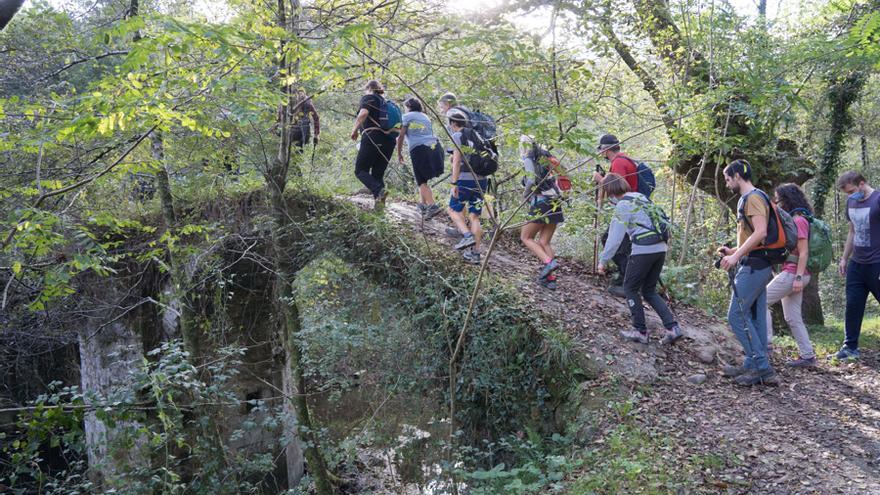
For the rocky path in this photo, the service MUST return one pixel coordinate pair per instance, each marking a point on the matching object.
(816, 432)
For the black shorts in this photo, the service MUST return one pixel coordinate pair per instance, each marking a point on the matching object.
(547, 211)
(427, 162)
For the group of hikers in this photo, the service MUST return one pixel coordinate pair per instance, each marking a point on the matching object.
(771, 231)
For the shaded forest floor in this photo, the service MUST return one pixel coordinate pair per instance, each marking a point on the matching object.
(816, 432)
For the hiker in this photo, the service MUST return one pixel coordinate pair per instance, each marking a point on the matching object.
(448, 104)
(860, 263)
(302, 116)
(788, 285)
(622, 165)
(747, 314)
(376, 145)
(638, 218)
(425, 153)
(545, 209)
(467, 191)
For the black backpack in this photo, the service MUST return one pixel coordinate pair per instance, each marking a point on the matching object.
(479, 157)
(541, 158)
(659, 228)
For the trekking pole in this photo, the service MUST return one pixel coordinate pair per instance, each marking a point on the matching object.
(596, 221)
(312, 158)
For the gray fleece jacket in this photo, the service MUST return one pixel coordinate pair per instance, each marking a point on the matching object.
(628, 219)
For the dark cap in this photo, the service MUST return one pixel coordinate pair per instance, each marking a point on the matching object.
(607, 141)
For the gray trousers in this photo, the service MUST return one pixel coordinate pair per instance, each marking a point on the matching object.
(779, 289)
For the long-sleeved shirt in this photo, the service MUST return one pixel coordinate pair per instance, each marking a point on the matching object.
(629, 218)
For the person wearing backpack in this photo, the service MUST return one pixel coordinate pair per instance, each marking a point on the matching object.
(425, 153)
(545, 208)
(622, 165)
(472, 161)
(377, 122)
(860, 263)
(647, 226)
(747, 314)
(788, 285)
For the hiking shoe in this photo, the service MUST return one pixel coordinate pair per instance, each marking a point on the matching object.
(471, 257)
(733, 371)
(547, 283)
(431, 211)
(548, 268)
(466, 241)
(452, 232)
(672, 335)
(616, 290)
(845, 353)
(383, 195)
(635, 336)
(802, 363)
(754, 377)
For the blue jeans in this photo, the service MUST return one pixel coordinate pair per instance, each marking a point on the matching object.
(748, 316)
(861, 280)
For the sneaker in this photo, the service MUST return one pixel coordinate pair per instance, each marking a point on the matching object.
(845, 353)
(802, 363)
(466, 241)
(733, 371)
(422, 208)
(547, 284)
(452, 232)
(754, 377)
(383, 195)
(616, 290)
(471, 257)
(635, 336)
(672, 335)
(548, 268)
(431, 211)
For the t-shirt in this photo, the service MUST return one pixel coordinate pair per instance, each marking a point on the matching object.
(418, 130)
(465, 174)
(803, 230)
(755, 204)
(624, 167)
(865, 217)
(372, 103)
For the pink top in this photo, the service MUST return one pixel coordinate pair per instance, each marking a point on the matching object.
(803, 228)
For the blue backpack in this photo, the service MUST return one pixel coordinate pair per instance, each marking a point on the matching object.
(647, 181)
(389, 115)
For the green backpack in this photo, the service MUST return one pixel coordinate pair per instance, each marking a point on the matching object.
(821, 251)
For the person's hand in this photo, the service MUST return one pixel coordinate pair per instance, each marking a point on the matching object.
(597, 177)
(729, 261)
(600, 269)
(400, 158)
(455, 191)
(797, 286)
(725, 251)
(841, 267)
(354, 135)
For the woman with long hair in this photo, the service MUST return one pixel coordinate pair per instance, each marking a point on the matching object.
(788, 285)
(425, 152)
(376, 146)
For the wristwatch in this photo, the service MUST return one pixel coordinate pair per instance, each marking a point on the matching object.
(798, 278)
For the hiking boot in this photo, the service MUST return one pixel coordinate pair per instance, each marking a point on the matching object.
(616, 290)
(466, 241)
(452, 232)
(845, 353)
(431, 211)
(635, 336)
(421, 208)
(548, 282)
(672, 335)
(802, 363)
(548, 268)
(471, 257)
(733, 371)
(754, 377)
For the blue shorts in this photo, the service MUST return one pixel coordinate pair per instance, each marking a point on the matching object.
(469, 194)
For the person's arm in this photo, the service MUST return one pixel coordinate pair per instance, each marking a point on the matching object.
(456, 171)
(358, 122)
(847, 250)
(616, 231)
(400, 137)
(803, 247)
(759, 223)
(529, 179)
(316, 121)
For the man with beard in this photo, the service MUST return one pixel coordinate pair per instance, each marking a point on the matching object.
(748, 303)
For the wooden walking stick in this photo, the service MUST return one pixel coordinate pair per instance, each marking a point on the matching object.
(596, 220)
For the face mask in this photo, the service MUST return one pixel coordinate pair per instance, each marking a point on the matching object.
(857, 196)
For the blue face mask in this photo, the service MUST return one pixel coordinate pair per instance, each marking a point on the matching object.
(857, 196)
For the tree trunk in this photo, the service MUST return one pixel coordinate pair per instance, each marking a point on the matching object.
(8, 9)
(811, 310)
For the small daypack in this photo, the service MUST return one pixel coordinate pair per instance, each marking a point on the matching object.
(547, 164)
(821, 248)
(647, 180)
(781, 232)
(658, 231)
(482, 123)
(389, 115)
(478, 157)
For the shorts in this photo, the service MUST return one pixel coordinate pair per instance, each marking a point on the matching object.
(546, 211)
(469, 194)
(427, 162)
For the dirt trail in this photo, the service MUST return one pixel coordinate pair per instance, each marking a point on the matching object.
(817, 432)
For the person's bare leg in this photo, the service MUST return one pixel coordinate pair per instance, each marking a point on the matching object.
(476, 229)
(527, 236)
(457, 218)
(426, 194)
(544, 239)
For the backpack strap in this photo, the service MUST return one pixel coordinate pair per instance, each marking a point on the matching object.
(653, 228)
